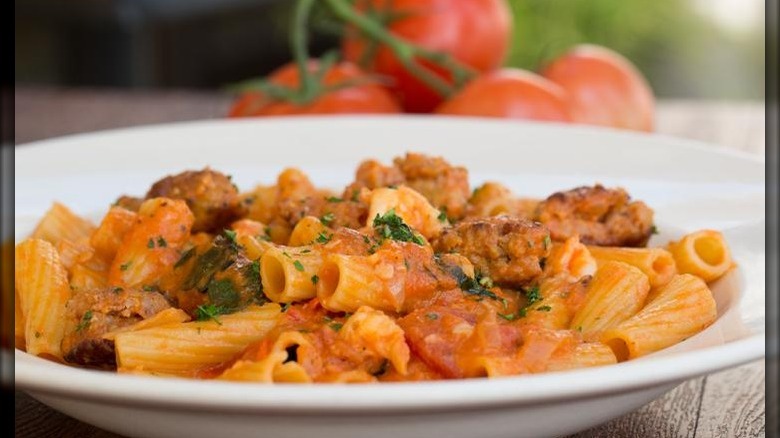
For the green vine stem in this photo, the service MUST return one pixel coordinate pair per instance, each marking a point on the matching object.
(298, 44)
(408, 54)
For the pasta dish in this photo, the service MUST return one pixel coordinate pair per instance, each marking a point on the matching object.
(406, 275)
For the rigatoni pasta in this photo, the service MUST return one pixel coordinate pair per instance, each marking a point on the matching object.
(657, 263)
(183, 348)
(43, 291)
(679, 309)
(702, 253)
(405, 275)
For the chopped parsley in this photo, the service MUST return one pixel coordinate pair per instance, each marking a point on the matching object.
(298, 265)
(208, 312)
(151, 288)
(471, 286)
(223, 295)
(327, 218)
(547, 242)
(117, 289)
(125, 266)
(432, 316)
(654, 229)
(150, 243)
(86, 320)
(323, 238)
(218, 257)
(252, 281)
(333, 199)
(161, 242)
(532, 295)
(335, 326)
(392, 226)
(315, 279)
(231, 235)
(442, 217)
(185, 257)
(485, 282)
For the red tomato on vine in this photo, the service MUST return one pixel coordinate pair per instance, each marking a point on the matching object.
(344, 89)
(474, 33)
(510, 93)
(604, 88)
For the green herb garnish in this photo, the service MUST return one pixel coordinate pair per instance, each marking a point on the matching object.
(209, 312)
(86, 320)
(298, 265)
(392, 226)
(323, 238)
(327, 218)
(184, 257)
(231, 235)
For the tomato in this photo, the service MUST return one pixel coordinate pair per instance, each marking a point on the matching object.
(510, 93)
(364, 97)
(474, 32)
(604, 88)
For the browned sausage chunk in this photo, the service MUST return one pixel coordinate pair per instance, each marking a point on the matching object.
(211, 196)
(93, 313)
(445, 186)
(508, 250)
(600, 216)
(372, 174)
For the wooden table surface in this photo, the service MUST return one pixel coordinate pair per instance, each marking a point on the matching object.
(726, 404)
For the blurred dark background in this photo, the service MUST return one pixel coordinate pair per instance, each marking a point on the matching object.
(687, 48)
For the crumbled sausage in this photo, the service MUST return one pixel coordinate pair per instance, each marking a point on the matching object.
(93, 313)
(131, 203)
(372, 174)
(600, 216)
(211, 196)
(445, 186)
(508, 250)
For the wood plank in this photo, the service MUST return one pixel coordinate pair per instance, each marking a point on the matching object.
(36, 420)
(733, 403)
(671, 416)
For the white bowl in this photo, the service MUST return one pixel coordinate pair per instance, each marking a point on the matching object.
(690, 186)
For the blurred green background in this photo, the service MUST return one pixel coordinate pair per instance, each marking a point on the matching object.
(686, 48)
(712, 49)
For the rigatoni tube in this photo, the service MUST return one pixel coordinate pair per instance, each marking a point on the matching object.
(678, 310)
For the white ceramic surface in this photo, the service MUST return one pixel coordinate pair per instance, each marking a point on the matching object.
(688, 184)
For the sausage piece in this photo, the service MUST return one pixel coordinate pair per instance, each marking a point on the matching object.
(509, 250)
(600, 216)
(96, 312)
(210, 195)
(444, 185)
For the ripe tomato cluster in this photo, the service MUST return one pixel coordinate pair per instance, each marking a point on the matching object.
(445, 57)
